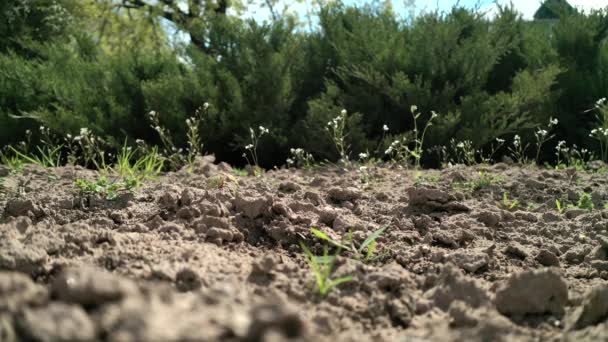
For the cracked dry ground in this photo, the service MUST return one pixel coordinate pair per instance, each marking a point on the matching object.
(208, 257)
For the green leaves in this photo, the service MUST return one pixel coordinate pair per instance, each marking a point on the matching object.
(508, 204)
(325, 237)
(371, 242)
(348, 245)
(322, 268)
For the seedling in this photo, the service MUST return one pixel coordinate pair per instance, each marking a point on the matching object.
(585, 202)
(102, 186)
(348, 245)
(322, 268)
(559, 206)
(507, 203)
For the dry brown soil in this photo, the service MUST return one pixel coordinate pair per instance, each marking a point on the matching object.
(205, 256)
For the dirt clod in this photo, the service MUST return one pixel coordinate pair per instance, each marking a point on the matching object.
(533, 292)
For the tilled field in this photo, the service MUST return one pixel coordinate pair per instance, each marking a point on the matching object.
(208, 256)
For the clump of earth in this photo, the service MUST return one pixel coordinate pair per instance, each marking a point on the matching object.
(205, 255)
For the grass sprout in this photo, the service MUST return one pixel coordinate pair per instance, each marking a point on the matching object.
(559, 206)
(46, 157)
(368, 246)
(506, 203)
(322, 268)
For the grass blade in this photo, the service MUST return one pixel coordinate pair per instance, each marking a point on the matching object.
(372, 238)
(325, 237)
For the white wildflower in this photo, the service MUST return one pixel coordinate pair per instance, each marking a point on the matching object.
(249, 147)
(363, 155)
(500, 141)
(343, 112)
(205, 105)
(385, 128)
(553, 122)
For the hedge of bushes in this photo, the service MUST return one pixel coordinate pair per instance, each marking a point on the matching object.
(486, 78)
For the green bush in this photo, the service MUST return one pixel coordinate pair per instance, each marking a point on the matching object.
(487, 78)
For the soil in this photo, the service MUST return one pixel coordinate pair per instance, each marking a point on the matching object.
(204, 255)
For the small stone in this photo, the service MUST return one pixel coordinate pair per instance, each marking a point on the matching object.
(516, 250)
(547, 258)
(187, 280)
(341, 195)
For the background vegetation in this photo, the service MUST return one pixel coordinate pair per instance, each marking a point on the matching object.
(104, 65)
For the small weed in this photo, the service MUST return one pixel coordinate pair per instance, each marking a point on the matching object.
(559, 206)
(105, 188)
(532, 206)
(223, 180)
(300, 158)
(464, 152)
(585, 202)
(483, 180)
(240, 172)
(14, 162)
(420, 180)
(368, 246)
(506, 203)
(46, 157)
(518, 151)
(252, 148)
(337, 131)
(542, 136)
(322, 268)
(419, 137)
